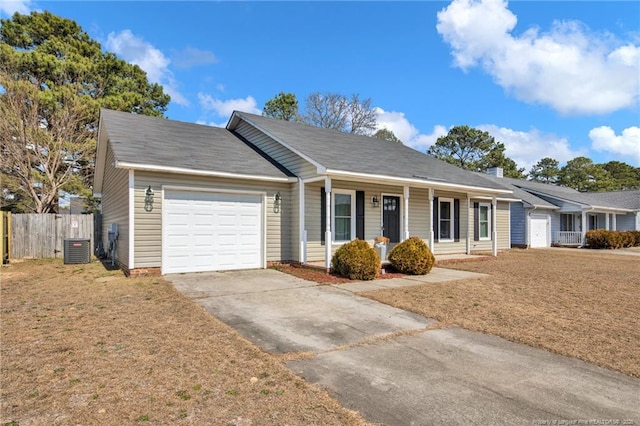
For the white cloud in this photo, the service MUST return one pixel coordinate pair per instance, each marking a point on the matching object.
(603, 138)
(9, 7)
(137, 51)
(568, 68)
(191, 57)
(212, 123)
(407, 132)
(527, 148)
(224, 108)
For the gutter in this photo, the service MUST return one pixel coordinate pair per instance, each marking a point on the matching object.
(168, 169)
(422, 182)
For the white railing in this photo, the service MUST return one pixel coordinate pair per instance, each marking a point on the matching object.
(573, 238)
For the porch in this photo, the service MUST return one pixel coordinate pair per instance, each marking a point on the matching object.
(568, 238)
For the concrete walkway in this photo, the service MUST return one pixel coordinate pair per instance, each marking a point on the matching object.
(388, 365)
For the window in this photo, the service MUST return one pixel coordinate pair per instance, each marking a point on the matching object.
(593, 222)
(344, 224)
(484, 221)
(445, 219)
(567, 222)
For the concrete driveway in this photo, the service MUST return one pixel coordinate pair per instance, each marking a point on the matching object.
(386, 364)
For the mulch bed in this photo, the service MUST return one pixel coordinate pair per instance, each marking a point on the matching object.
(320, 276)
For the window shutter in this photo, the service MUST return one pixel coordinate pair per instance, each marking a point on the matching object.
(360, 215)
(323, 214)
(476, 221)
(436, 221)
(456, 219)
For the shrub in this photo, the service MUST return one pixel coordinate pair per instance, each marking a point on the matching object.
(603, 239)
(412, 257)
(356, 260)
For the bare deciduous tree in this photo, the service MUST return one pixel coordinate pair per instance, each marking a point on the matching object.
(41, 157)
(335, 111)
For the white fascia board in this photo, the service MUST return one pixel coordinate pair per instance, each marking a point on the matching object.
(485, 197)
(233, 123)
(180, 170)
(391, 180)
(611, 209)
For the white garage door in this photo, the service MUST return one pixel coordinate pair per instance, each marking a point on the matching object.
(208, 231)
(539, 235)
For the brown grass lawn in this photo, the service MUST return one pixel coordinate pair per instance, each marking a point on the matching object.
(84, 345)
(580, 303)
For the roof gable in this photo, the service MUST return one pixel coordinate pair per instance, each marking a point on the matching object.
(336, 151)
(142, 142)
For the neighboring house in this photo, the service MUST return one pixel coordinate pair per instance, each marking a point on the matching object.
(554, 215)
(187, 197)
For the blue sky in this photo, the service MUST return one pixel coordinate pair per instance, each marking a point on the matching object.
(556, 78)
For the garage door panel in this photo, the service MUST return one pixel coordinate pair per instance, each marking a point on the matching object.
(206, 231)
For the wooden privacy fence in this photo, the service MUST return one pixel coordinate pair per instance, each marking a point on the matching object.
(42, 236)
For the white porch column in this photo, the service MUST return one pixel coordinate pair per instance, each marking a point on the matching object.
(585, 225)
(606, 221)
(614, 225)
(302, 252)
(494, 227)
(327, 234)
(406, 213)
(431, 224)
(469, 228)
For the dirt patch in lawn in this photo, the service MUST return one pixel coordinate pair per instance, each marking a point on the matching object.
(84, 345)
(322, 277)
(578, 303)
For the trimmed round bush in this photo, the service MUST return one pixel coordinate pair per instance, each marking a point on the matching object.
(356, 260)
(412, 257)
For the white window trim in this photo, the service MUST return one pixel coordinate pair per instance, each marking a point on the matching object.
(452, 219)
(333, 214)
(488, 206)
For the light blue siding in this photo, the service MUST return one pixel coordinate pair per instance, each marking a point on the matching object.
(518, 224)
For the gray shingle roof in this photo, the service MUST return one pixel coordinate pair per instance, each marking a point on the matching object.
(616, 199)
(155, 141)
(361, 154)
(623, 199)
(522, 194)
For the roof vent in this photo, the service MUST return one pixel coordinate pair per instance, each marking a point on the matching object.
(495, 171)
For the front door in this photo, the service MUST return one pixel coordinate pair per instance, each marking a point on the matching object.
(391, 218)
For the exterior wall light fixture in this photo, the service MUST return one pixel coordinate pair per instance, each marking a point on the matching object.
(148, 199)
(277, 199)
